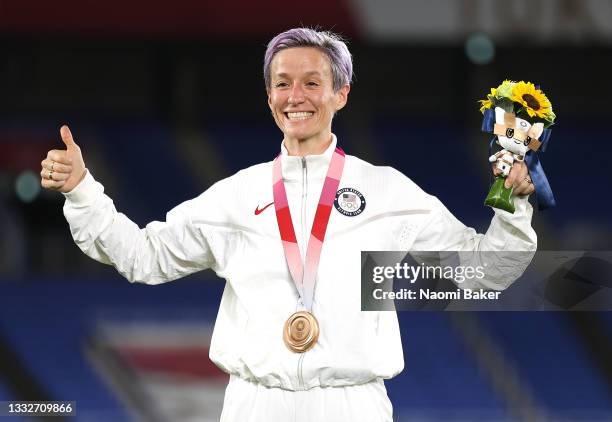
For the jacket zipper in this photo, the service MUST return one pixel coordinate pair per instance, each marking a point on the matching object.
(304, 194)
(304, 248)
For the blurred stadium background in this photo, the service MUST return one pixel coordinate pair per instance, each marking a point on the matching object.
(166, 98)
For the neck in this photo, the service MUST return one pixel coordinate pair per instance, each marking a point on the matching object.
(303, 147)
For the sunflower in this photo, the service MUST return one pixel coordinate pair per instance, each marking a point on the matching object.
(533, 100)
(488, 103)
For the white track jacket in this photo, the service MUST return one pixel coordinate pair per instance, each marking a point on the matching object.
(220, 229)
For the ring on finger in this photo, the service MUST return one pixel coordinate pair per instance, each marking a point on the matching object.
(50, 174)
(52, 164)
(528, 180)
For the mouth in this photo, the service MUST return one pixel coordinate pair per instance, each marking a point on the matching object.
(298, 115)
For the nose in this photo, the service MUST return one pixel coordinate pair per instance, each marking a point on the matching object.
(296, 95)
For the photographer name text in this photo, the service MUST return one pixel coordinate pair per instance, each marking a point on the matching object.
(429, 294)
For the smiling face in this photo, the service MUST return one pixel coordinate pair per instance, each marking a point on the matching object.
(511, 144)
(301, 95)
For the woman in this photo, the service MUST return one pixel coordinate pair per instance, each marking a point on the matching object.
(290, 331)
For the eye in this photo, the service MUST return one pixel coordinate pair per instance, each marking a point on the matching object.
(280, 85)
(312, 83)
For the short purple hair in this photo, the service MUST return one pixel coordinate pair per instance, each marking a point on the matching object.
(328, 42)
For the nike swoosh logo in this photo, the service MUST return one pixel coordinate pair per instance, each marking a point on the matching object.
(259, 211)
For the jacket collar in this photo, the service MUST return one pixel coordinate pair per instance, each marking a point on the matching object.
(316, 165)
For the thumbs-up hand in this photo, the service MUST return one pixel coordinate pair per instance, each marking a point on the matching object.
(62, 170)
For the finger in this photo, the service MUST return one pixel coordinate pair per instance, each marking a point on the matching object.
(60, 156)
(55, 166)
(522, 169)
(527, 190)
(526, 186)
(522, 188)
(515, 176)
(67, 137)
(510, 178)
(51, 184)
(496, 170)
(53, 175)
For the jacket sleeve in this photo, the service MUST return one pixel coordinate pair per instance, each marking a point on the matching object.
(160, 252)
(505, 250)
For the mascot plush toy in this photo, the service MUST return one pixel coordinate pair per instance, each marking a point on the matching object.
(519, 115)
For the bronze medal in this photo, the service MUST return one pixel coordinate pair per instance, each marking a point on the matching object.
(301, 332)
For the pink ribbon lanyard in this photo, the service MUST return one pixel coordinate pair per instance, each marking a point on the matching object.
(304, 277)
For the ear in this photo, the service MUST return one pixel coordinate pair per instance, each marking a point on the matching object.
(269, 99)
(499, 115)
(537, 129)
(342, 96)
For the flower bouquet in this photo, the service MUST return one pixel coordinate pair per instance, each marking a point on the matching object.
(519, 114)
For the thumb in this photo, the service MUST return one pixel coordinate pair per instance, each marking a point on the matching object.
(67, 137)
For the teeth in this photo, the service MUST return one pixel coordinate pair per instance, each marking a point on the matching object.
(300, 115)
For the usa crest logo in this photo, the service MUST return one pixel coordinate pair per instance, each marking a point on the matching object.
(349, 202)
